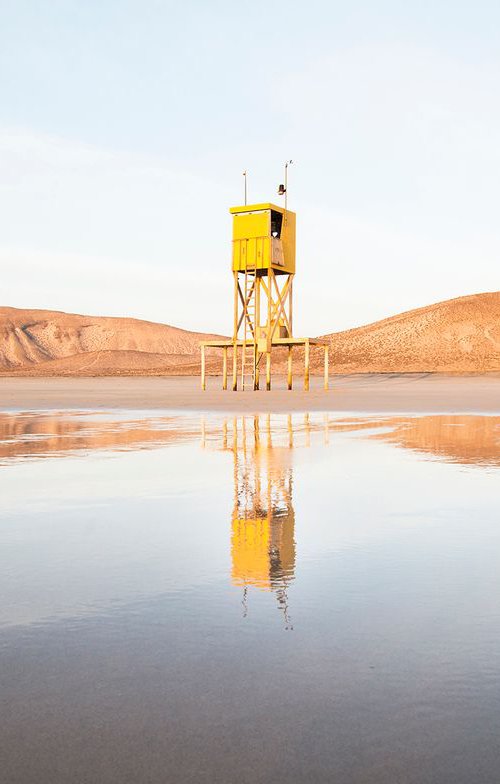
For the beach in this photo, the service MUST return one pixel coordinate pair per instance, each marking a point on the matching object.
(414, 392)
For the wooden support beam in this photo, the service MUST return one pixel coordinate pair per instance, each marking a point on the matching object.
(258, 282)
(306, 366)
(279, 306)
(203, 379)
(236, 295)
(269, 313)
(289, 369)
(268, 371)
(264, 286)
(224, 367)
(245, 301)
(325, 383)
(235, 367)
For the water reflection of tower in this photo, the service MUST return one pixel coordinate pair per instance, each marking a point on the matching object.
(263, 518)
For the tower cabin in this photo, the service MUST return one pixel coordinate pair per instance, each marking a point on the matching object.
(263, 238)
(263, 269)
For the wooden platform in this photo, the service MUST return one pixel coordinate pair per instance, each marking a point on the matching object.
(276, 343)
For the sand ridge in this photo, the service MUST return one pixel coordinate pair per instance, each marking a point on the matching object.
(43, 342)
(461, 335)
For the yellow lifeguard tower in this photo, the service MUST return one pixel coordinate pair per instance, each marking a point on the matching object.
(263, 267)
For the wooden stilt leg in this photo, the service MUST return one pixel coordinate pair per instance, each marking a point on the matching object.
(255, 357)
(289, 374)
(258, 284)
(268, 371)
(235, 367)
(203, 379)
(306, 366)
(326, 368)
(224, 367)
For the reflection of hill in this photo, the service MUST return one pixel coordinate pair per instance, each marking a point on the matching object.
(464, 438)
(54, 435)
(458, 439)
(461, 438)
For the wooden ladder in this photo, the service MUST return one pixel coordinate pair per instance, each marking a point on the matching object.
(248, 352)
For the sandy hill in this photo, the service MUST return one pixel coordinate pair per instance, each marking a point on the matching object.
(45, 342)
(460, 335)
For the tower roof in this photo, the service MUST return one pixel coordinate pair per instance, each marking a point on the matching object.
(256, 207)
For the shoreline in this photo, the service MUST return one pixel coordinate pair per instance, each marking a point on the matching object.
(367, 393)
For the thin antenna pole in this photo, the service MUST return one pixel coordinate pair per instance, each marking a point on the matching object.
(245, 178)
(287, 164)
(286, 183)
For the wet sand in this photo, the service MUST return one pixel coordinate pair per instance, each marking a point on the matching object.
(282, 599)
(394, 393)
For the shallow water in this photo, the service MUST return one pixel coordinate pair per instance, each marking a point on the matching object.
(249, 599)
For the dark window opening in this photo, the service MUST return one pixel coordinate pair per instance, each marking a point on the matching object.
(276, 223)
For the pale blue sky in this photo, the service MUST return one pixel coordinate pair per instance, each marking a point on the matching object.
(125, 126)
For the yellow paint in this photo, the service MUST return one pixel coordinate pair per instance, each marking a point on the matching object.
(251, 225)
(250, 552)
(262, 550)
(255, 208)
(255, 247)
